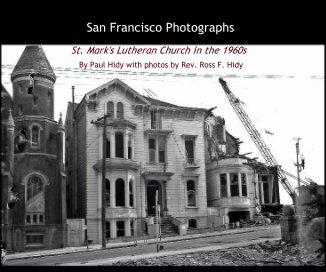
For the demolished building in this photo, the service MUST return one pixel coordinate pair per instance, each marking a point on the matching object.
(237, 186)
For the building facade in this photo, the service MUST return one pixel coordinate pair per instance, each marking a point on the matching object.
(237, 187)
(7, 164)
(152, 147)
(39, 215)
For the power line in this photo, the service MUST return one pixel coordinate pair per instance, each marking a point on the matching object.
(79, 72)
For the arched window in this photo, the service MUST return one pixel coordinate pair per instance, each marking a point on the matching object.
(107, 192)
(120, 110)
(120, 193)
(28, 219)
(34, 219)
(35, 136)
(41, 219)
(110, 109)
(34, 186)
(191, 193)
(131, 193)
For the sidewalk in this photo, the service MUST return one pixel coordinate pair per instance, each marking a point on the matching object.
(68, 250)
(110, 261)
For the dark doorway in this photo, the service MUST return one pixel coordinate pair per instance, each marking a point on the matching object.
(152, 187)
(236, 216)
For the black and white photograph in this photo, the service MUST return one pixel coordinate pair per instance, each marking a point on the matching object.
(162, 155)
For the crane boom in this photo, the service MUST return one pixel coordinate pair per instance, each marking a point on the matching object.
(256, 137)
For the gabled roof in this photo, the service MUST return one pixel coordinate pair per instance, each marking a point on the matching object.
(33, 60)
(157, 102)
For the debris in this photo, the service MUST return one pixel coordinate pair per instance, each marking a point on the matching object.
(270, 253)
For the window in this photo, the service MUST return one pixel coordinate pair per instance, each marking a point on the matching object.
(131, 194)
(120, 193)
(156, 120)
(192, 223)
(34, 187)
(129, 148)
(223, 182)
(35, 136)
(244, 184)
(29, 90)
(157, 153)
(119, 145)
(132, 227)
(110, 109)
(161, 149)
(107, 192)
(191, 193)
(108, 148)
(107, 230)
(189, 147)
(32, 238)
(120, 110)
(34, 219)
(152, 150)
(21, 140)
(49, 96)
(120, 228)
(234, 184)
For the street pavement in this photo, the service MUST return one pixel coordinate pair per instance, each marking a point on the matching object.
(68, 250)
(110, 261)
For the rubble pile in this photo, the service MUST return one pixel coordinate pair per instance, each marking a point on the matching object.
(276, 253)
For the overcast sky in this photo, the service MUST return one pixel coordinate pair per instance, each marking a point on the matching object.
(282, 87)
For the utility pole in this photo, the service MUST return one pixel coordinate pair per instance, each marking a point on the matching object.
(157, 223)
(298, 165)
(73, 157)
(103, 184)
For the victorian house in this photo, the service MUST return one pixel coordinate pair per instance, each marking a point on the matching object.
(153, 149)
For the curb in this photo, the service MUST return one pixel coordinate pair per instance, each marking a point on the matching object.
(65, 251)
(127, 258)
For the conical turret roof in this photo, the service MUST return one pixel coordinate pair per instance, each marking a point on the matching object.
(33, 60)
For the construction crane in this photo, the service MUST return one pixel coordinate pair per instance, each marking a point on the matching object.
(255, 136)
